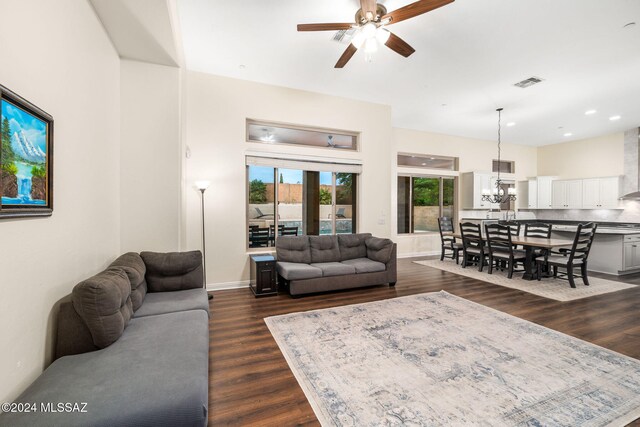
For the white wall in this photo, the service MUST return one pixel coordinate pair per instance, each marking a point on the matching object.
(65, 64)
(473, 154)
(586, 158)
(150, 159)
(216, 111)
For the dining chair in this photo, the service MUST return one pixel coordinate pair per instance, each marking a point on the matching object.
(289, 231)
(447, 240)
(501, 248)
(569, 259)
(259, 238)
(541, 230)
(472, 245)
(513, 226)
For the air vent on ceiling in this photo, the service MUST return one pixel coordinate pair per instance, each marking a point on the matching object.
(528, 82)
(344, 36)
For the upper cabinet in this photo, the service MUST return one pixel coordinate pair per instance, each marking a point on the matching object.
(600, 193)
(535, 193)
(567, 194)
(472, 186)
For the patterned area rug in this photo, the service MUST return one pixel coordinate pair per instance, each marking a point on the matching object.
(437, 359)
(556, 289)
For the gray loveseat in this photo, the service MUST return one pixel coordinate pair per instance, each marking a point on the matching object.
(310, 264)
(133, 344)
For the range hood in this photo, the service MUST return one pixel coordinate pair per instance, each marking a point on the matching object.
(631, 182)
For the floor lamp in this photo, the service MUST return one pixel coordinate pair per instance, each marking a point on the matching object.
(202, 186)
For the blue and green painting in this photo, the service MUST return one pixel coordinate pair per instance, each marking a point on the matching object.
(24, 157)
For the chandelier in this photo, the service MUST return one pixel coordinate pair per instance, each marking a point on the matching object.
(498, 196)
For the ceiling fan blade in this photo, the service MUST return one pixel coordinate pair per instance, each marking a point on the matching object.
(346, 56)
(324, 27)
(368, 6)
(415, 9)
(400, 46)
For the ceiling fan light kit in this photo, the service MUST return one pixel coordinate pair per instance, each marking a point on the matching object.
(371, 20)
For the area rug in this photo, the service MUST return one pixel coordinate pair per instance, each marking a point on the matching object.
(437, 359)
(548, 287)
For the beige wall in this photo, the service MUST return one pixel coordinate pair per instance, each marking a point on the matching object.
(150, 157)
(64, 63)
(473, 154)
(593, 157)
(216, 110)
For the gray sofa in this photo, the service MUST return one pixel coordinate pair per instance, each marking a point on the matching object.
(310, 264)
(133, 344)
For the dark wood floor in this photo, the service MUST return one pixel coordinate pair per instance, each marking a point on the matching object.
(250, 382)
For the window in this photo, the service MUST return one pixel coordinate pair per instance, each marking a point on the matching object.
(428, 161)
(273, 133)
(299, 198)
(504, 166)
(421, 200)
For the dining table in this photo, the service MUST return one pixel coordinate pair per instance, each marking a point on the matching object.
(529, 244)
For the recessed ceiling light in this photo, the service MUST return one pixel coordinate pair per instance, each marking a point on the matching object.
(590, 112)
(568, 134)
(511, 124)
(424, 164)
(614, 118)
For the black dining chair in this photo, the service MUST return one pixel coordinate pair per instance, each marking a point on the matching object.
(541, 230)
(448, 241)
(569, 259)
(513, 226)
(289, 231)
(259, 238)
(501, 249)
(472, 245)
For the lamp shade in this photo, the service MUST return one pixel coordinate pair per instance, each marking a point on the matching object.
(202, 185)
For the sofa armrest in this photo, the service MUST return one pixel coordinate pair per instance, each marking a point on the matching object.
(392, 265)
(72, 334)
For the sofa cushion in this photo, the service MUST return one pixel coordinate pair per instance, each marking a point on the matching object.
(133, 265)
(155, 375)
(324, 249)
(334, 268)
(297, 271)
(104, 304)
(365, 265)
(293, 249)
(173, 271)
(379, 249)
(171, 302)
(352, 246)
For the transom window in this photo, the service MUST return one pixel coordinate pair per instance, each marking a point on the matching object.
(504, 166)
(428, 161)
(274, 133)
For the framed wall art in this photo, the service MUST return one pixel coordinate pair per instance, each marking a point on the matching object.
(26, 159)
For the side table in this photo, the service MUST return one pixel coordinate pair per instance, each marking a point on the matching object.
(263, 275)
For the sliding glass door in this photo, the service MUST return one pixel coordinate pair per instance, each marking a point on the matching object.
(298, 202)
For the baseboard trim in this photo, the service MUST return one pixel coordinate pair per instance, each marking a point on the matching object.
(417, 254)
(227, 285)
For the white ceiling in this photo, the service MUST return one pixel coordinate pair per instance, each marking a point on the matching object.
(468, 56)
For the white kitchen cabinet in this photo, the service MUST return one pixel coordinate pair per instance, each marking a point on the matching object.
(600, 193)
(472, 186)
(567, 194)
(528, 194)
(631, 255)
(545, 191)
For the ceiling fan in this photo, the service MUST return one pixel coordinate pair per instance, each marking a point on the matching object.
(371, 22)
(332, 144)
